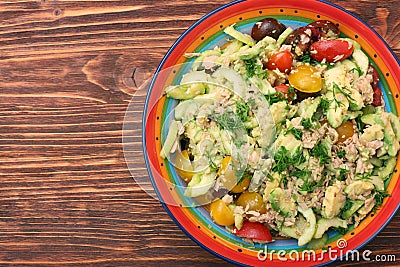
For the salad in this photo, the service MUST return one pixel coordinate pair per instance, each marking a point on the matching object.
(284, 131)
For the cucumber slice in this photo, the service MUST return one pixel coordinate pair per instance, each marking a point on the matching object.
(376, 162)
(355, 205)
(361, 60)
(284, 35)
(244, 38)
(388, 168)
(297, 229)
(170, 140)
(200, 184)
(310, 227)
(281, 203)
(324, 224)
(318, 243)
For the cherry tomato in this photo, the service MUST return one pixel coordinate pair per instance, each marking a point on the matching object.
(301, 39)
(253, 201)
(345, 131)
(184, 166)
(282, 61)
(306, 79)
(229, 179)
(284, 88)
(331, 50)
(221, 213)
(254, 230)
(377, 96)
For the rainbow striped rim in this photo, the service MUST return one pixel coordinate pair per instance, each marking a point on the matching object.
(206, 34)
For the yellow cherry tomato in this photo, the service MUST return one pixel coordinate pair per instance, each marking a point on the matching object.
(253, 201)
(183, 166)
(229, 178)
(306, 79)
(221, 213)
(345, 131)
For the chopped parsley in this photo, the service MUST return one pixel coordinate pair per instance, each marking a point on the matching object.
(360, 124)
(302, 174)
(275, 97)
(228, 121)
(298, 157)
(324, 104)
(379, 197)
(321, 151)
(284, 180)
(342, 174)
(298, 134)
(310, 186)
(306, 123)
(307, 59)
(242, 110)
(251, 66)
(358, 69)
(284, 159)
(254, 68)
(341, 154)
(281, 96)
(347, 205)
(231, 122)
(346, 92)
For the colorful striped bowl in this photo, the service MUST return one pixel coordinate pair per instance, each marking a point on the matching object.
(206, 34)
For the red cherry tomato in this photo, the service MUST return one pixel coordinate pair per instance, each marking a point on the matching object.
(331, 50)
(254, 230)
(282, 61)
(284, 89)
(377, 97)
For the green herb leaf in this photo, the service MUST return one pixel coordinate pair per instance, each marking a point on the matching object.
(341, 154)
(276, 97)
(298, 134)
(228, 120)
(358, 69)
(324, 104)
(254, 68)
(301, 174)
(310, 186)
(306, 123)
(342, 90)
(242, 110)
(282, 160)
(342, 174)
(321, 151)
(380, 196)
(347, 205)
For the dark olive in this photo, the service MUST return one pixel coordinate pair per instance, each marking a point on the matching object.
(327, 28)
(301, 39)
(267, 27)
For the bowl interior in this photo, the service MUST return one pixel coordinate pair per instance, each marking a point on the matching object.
(205, 35)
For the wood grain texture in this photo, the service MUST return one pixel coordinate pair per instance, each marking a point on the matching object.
(66, 195)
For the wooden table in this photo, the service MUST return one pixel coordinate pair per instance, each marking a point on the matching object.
(67, 197)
